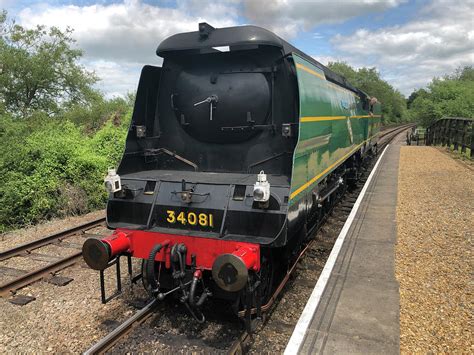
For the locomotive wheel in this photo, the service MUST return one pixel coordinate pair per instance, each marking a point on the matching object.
(266, 278)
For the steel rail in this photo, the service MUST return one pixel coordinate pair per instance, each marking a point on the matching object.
(390, 135)
(50, 239)
(240, 346)
(394, 129)
(10, 287)
(122, 330)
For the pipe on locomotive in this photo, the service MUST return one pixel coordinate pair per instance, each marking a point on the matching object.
(229, 271)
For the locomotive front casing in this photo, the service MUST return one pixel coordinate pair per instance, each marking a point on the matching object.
(220, 220)
(220, 209)
(204, 126)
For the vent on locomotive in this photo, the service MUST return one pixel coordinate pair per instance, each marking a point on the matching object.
(218, 96)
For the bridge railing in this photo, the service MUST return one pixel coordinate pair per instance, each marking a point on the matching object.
(453, 132)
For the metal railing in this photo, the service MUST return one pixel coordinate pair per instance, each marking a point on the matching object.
(416, 135)
(455, 132)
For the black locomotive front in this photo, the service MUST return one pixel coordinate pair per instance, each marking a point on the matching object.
(208, 122)
(206, 171)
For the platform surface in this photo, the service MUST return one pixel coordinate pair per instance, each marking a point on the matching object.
(358, 311)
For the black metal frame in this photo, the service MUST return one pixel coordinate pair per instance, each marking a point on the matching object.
(118, 275)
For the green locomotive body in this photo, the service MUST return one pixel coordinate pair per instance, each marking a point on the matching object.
(334, 123)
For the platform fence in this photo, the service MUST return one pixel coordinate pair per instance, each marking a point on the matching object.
(456, 133)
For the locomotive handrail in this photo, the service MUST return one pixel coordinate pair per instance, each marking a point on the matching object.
(452, 131)
(154, 152)
(249, 168)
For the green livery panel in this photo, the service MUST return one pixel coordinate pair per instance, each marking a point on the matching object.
(333, 123)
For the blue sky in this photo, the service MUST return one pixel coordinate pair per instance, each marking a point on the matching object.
(408, 41)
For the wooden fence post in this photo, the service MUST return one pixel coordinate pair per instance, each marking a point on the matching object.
(464, 136)
(449, 134)
(472, 139)
(456, 134)
(443, 132)
(437, 133)
(446, 132)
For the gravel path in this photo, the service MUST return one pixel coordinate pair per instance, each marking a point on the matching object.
(433, 258)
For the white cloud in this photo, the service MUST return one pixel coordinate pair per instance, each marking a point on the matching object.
(439, 40)
(116, 37)
(127, 31)
(5, 3)
(303, 15)
(119, 77)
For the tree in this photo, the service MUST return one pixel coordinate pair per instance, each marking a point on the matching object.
(414, 95)
(344, 69)
(40, 70)
(369, 81)
(452, 95)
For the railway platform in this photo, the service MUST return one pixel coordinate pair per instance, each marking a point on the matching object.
(354, 307)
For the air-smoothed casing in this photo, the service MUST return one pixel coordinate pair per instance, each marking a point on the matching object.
(270, 107)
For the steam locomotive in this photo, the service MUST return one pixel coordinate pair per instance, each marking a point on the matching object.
(237, 147)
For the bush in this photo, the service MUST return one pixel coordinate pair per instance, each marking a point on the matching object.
(54, 170)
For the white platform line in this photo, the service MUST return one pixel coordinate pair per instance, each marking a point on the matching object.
(305, 319)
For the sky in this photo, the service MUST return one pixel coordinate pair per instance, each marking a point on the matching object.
(408, 41)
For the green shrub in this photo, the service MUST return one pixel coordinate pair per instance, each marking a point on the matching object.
(109, 141)
(55, 169)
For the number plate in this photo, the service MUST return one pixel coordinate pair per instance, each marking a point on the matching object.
(189, 218)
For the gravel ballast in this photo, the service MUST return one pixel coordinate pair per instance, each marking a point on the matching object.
(433, 256)
(61, 319)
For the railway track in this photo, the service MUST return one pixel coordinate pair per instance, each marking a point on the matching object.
(387, 135)
(385, 138)
(242, 342)
(122, 330)
(10, 287)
